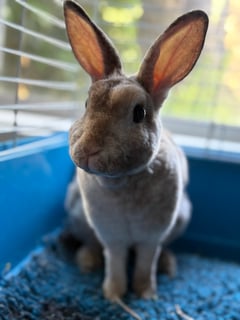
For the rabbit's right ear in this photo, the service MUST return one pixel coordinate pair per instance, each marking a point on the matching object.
(93, 50)
(173, 54)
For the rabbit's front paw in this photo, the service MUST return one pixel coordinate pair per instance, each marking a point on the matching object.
(145, 290)
(149, 294)
(113, 290)
(89, 259)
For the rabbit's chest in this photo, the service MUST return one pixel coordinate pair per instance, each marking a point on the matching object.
(131, 213)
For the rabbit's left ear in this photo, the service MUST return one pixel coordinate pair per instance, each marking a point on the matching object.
(93, 50)
(173, 55)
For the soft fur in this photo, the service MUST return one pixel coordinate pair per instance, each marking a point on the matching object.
(131, 175)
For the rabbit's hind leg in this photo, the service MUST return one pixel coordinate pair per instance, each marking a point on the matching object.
(89, 258)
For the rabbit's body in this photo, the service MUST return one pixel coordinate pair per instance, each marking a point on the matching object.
(136, 210)
(131, 175)
(124, 209)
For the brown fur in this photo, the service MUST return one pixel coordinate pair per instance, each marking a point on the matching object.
(130, 173)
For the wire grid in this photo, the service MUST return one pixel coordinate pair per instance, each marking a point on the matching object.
(40, 77)
(38, 71)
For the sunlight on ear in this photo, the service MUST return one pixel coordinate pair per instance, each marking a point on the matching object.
(122, 15)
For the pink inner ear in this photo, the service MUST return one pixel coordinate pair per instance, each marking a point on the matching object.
(179, 51)
(85, 45)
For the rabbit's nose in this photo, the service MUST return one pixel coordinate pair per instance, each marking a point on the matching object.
(90, 150)
(85, 150)
(92, 160)
(85, 155)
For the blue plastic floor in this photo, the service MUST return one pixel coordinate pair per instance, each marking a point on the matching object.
(50, 286)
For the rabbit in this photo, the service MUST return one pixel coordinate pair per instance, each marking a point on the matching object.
(131, 175)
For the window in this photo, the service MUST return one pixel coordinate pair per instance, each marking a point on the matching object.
(38, 72)
(42, 87)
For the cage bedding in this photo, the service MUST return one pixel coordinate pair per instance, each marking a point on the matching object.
(50, 286)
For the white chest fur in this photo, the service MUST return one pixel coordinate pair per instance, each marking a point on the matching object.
(132, 209)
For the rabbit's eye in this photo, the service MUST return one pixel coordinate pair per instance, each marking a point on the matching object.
(139, 113)
(86, 102)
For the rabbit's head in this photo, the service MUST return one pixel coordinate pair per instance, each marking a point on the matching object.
(120, 131)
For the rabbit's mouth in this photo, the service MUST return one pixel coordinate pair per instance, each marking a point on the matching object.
(95, 165)
(111, 165)
(89, 163)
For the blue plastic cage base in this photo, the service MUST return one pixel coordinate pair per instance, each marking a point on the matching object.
(50, 286)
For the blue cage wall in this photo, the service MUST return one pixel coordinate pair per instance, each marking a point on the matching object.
(34, 179)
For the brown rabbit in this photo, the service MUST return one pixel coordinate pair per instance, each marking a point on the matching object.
(131, 175)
